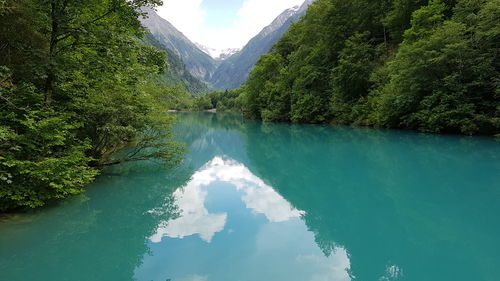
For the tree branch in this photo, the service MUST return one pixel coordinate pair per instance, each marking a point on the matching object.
(70, 33)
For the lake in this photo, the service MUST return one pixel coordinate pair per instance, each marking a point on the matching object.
(275, 202)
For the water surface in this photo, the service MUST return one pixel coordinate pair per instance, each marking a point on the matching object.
(276, 202)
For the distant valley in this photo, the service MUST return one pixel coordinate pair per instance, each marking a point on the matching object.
(218, 69)
(198, 63)
(234, 71)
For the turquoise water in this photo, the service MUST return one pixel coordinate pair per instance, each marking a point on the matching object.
(276, 202)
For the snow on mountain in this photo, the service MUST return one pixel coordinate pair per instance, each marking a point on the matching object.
(218, 54)
(233, 71)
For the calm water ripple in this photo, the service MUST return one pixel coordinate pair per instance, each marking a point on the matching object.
(275, 202)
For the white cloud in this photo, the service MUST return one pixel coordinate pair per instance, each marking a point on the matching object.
(185, 15)
(332, 268)
(189, 17)
(195, 219)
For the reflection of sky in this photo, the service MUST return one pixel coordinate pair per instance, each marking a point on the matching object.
(195, 218)
(235, 227)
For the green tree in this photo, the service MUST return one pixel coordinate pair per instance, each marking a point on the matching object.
(41, 157)
(443, 79)
(351, 78)
(423, 65)
(78, 92)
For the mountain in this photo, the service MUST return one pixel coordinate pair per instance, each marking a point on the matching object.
(218, 54)
(177, 73)
(197, 62)
(227, 53)
(222, 69)
(234, 71)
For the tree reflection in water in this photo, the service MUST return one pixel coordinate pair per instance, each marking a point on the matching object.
(275, 202)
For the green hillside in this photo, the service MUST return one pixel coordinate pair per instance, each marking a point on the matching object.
(431, 66)
(176, 72)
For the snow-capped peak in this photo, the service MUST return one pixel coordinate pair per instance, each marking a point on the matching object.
(218, 54)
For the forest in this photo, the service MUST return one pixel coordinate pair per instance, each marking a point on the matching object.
(431, 66)
(84, 86)
(77, 84)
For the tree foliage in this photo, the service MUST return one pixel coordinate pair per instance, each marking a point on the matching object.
(229, 100)
(425, 65)
(77, 86)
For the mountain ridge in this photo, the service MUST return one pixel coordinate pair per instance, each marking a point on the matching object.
(234, 71)
(218, 54)
(199, 64)
(230, 68)
(176, 72)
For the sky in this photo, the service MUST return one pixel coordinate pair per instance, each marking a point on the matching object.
(222, 24)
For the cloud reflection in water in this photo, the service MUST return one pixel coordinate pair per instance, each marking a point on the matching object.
(195, 218)
(282, 247)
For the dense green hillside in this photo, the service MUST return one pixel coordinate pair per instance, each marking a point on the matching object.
(176, 72)
(431, 66)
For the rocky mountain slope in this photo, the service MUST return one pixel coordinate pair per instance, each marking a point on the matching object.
(217, 54)
(199, 64)
(226, 69)
(234, 71)
(177, 73)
